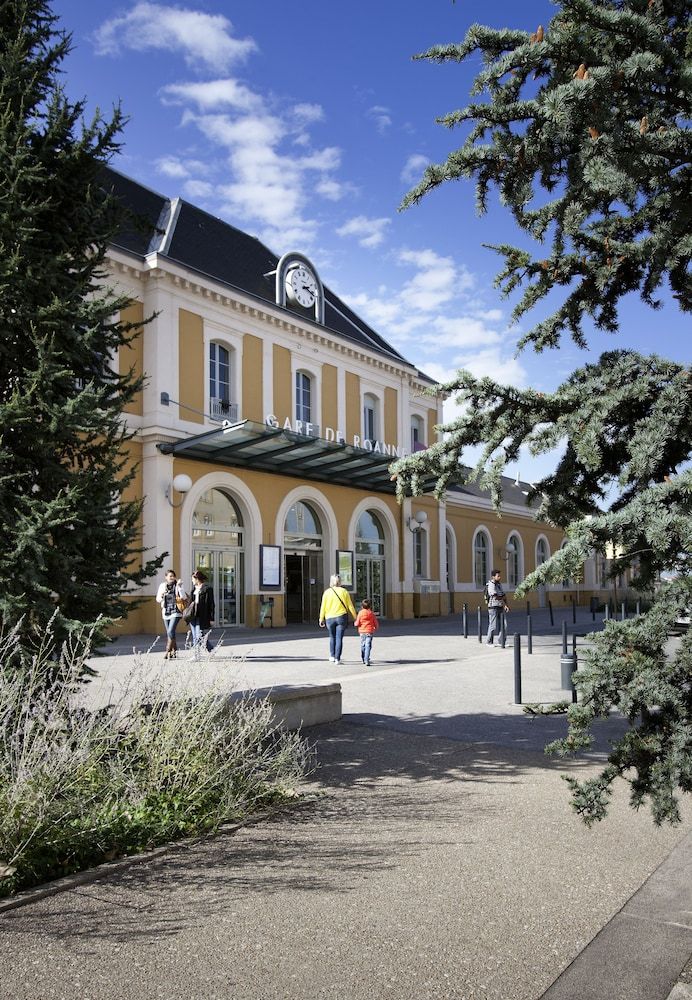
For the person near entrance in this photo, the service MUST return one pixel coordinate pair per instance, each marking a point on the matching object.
(172, 597)
(204, 611)
(497, 603)
(334, 612)
(367, 624)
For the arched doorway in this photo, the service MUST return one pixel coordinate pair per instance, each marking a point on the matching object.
(217, 549)
(370, 561)
(303, 561)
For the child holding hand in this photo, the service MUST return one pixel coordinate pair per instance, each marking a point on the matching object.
(366, 622)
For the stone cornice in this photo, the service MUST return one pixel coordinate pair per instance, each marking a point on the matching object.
(155, 268)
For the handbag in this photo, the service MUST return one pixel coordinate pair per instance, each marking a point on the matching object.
(342, 603)
(190, 611)
(181, 604)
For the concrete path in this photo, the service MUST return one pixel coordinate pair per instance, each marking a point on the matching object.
(437, 858)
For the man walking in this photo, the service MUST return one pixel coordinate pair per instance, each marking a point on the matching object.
(497, 603)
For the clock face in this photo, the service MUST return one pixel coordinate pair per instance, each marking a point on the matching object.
(301, 286)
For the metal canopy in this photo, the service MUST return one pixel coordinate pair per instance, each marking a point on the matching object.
(251, 445)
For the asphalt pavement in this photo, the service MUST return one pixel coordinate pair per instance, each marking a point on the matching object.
(435, 854)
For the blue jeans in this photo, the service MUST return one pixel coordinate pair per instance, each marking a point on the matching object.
(170, 623)
(365, 646)
(196, 631)
(336, 628)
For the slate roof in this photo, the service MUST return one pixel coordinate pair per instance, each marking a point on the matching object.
(209, 246)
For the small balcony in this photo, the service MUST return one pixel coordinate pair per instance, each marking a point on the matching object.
(222, 409)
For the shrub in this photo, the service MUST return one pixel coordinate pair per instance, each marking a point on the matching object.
(79, 786)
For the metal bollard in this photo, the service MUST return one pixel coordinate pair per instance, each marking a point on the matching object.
(517, 669)
(639, 608)
(607, 611)
(480, 625)
(564, 638)
(574, 612)
(576, 667)
(529, 634)
(623, 612)
(503, 631)
(568, 664)
(550, 609)
(465, 620)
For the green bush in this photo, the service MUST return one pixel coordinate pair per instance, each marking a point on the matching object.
(78, 787)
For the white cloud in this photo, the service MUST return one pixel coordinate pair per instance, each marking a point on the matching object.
(308, 114)
(438, 280)
(334, 190)
(195, 190)
(495, 365)
(171, 167)
(212, 94)
(368, 232)
(381, 116)
(203, 39)
(413, 168)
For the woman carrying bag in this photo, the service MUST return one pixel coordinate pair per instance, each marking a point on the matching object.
(172, 597)
(334, 613)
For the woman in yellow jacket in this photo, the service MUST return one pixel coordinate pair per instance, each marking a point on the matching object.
(334, 611)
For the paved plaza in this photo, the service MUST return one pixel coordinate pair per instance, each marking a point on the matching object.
(435, 854)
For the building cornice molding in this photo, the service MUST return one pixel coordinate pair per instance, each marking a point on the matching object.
(155, 268)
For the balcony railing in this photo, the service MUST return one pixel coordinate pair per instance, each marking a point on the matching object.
(222, 409)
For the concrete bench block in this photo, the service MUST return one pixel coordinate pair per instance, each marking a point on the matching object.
(300, 706)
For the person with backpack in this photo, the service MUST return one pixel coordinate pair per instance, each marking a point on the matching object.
(497, 603)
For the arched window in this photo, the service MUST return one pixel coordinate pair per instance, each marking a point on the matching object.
(221, 403)
(370, 560)
(481, 559)
(370, 418)
(417, 434)
(542, 552)
(302, 528)
(515, 560)
(217, 549)
(369, 535)
(303, 398)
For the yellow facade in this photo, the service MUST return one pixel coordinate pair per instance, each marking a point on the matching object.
(264, 433)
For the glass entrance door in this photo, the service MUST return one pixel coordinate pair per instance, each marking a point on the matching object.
(370, 581)
(303, 578)
(224, 568)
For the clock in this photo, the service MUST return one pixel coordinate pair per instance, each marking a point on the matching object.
(301, 286)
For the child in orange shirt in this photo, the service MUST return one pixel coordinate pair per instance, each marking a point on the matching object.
(366, 622)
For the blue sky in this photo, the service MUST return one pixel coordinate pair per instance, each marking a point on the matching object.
(305, 124)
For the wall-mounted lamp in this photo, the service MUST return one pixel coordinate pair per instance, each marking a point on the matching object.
(181, 484)
(416, 522)
(507, 551)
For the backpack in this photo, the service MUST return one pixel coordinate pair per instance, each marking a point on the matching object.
(486, 594)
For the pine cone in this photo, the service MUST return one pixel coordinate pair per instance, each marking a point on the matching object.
(593, 132)
(644, 125)
(539, 33)
(580, 73)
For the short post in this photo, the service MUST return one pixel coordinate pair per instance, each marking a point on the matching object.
(480, 625)
(568, 664)
(607, 611)
(623, 611)
(503, 631)
(639, 608)
(517, 669)
(574, 612)
(564, 638)
(550, 609)
(593, 609)
(574, 654)
(465, 620)
(529, 634)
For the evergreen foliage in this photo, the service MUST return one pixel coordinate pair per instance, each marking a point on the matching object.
(69, 533)
(595, 111)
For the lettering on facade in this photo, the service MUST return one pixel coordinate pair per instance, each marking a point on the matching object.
(330, 434)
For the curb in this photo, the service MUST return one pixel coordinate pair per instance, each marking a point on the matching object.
(106, 868)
